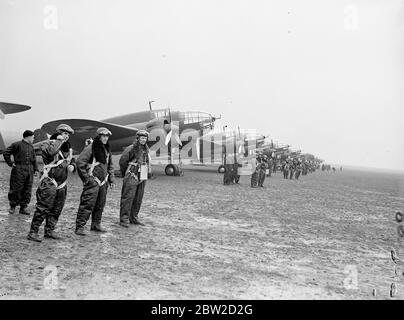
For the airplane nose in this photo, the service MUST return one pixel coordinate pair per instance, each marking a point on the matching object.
(170, 127)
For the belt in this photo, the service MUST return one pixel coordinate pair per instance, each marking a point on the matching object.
(23, 163)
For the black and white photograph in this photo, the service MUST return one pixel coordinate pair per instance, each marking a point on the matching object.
(228, 151)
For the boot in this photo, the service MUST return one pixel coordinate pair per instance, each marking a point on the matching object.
(97, 227)
(33, 236)
(136, 221)
(80, 231)
(23, 210)
(52, 235)
(11, 210)
(124, 224)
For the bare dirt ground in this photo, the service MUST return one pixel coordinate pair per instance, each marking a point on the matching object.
(204, 240)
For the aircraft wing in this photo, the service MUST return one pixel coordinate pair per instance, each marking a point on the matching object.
(85, 129)
(8, 108)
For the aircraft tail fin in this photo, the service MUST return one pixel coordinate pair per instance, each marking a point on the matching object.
(8, 108)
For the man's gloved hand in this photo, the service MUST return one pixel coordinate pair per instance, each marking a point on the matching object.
(72, 165)
(89, 180)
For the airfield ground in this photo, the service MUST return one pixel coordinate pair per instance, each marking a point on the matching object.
(203, 240)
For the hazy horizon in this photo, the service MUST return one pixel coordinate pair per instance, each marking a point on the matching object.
(323, 76)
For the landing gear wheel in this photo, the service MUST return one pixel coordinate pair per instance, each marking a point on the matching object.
(177, 170)
(170, 170)
(221, 169)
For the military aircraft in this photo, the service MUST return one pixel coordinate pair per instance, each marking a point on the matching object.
(8, 137)
(217, 146)
(169, 131)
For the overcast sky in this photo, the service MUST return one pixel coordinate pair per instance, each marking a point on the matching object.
(326, 76)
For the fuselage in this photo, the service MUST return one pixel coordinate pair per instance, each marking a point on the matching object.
(185, 120)
(199, 121)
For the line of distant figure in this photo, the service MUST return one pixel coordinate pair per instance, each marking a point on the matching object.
(264, 166)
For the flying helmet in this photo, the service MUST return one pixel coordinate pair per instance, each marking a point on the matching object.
(65, 128)
(142, 133)
(104, 131)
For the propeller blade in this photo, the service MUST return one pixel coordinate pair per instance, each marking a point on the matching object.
(198, 150)
(168, 137)
(177, 138)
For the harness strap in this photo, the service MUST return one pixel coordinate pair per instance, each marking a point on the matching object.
(90, 172)
(62, 185)
(92, 166)
(47, 168)
(103, 182)
(129, 167)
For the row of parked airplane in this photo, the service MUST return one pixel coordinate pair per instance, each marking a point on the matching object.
(176, 138)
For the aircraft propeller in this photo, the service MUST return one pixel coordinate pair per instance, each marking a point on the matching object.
(173, 134)
(172, 131)
(198, 151)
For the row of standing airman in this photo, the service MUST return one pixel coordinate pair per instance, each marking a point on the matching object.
(264, 166)
(95, 169)
(293, 168)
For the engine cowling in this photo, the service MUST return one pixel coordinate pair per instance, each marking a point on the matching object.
(160, 123)
(157, 123)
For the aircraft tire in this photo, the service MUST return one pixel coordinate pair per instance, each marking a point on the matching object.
(177, 171)
(170, 170)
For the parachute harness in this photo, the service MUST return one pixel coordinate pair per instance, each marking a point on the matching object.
(90, 172)
(47, 168)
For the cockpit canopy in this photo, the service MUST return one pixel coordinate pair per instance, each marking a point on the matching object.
(196, 116)
(187, 118)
